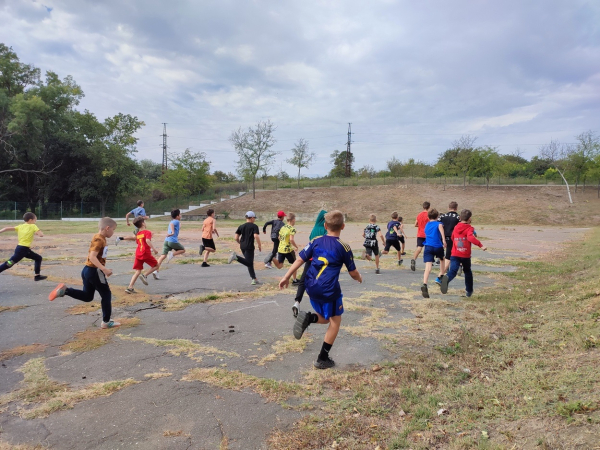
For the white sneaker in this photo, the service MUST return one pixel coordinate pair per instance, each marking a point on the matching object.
(170, 256)
(155, 275)
(268, 266)
(231, 258)
(144, 279)
(295, 309)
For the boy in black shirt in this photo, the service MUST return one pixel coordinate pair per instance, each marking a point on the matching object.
(245, 235)
(276, 225)
(449, 221)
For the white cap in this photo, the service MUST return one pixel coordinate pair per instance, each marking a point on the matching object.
(250, 214)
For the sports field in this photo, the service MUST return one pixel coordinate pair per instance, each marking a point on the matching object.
(204, 360)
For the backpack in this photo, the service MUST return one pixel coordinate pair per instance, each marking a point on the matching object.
(275, 228)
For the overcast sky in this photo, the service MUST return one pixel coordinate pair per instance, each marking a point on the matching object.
(410, 76)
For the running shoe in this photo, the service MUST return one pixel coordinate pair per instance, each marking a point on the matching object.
(327, 364)
(130, 290)
(444, 284)
(231, 258)
(467, 294)
(438, 281)
(301, 324)
(424, 291)
(295, 282)
(268, 265)
(40, 277)
(170, 256)
(144, 279)
(205, 264)
(413, 264)
(255, 282)
(403, 253)
(377, 271)
(400, 261)
(155, 275)
(110, 324)
(295, 309)
(59, 291)
(201, 249)
(117, 239)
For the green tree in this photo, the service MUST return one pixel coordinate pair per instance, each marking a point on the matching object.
(338, 160)
(394, 166)
(175, 183)
(301, 157)
(485, 163)
(197, 168)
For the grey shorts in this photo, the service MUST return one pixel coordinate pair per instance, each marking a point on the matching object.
(168, 246)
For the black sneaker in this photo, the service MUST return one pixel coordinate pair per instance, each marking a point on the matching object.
(413, 264)
(205, 264)
(40, 277)
(425, 291)
(327, 364)
(295, 282)
(467, 294)
(400, 261)
(377, 271)
(302, 323)
(444, 284)
(201, 249)
(403, 253)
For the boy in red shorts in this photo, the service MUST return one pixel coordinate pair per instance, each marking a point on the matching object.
(142, 253)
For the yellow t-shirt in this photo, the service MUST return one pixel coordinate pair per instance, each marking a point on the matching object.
(284, 239)
(25, 233)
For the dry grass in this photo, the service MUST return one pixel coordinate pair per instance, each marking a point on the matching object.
(155, 375)
(83, 308)
(94, 338)
(11, 308)
(22, 350)
(171, 433)
(178, 347)
(220, 297)
(7, 446)
(47, 395)
(289, 344)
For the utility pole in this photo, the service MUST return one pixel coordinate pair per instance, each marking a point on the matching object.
(348, 152)
(164, 136)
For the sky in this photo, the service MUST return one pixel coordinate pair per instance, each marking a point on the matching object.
(410, 76)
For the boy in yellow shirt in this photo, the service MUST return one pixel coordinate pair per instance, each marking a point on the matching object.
(287, 245)
(25, 233)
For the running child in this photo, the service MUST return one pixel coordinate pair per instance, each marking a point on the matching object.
(329, 253)
(435, 243)
(287, 245)
(462, 238)
(171, 246)
(140, 211)
(25, 233)
(209, 227)
(317, 231)
(276, 225)
(142, 254)
(392, 237)
(245, 235)
(370, 244)
(94, 274)
(422, 219)
(449, 220)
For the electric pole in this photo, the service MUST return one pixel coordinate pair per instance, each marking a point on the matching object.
(164, 136)
(349, 152)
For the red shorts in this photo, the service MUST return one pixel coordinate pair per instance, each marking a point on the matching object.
(138, 264)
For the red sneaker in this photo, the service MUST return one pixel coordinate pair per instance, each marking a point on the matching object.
(59, 291)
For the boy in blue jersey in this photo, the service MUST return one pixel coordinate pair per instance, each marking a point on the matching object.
(392, 236)
(435, 243)
(329, 253)
(140, 211)
(171, 246)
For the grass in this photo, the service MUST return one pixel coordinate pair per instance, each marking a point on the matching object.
(7, 446)
(219, 297)
(94, 338)
(289, 344)
(47, 395)
(11, 308)
(178, 347)
(22, 350)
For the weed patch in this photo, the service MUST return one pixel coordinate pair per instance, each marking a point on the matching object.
(289, 344)
(178, 347)
(22, 350)
(94, 338)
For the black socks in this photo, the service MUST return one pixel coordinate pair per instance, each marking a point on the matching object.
(324, 355)
(314, 318)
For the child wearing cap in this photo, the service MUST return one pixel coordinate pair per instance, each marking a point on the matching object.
(245, 235)
(276, 226)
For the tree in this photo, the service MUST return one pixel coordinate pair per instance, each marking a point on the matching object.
(555, 152)
(394, 166)
(253, 148)
(580, 158)
(197, 168)
(338, 159)
(175, 183)
(301, 158)
(366, 171)
(222, 177)
(486, 163)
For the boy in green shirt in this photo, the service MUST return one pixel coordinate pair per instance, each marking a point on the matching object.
(25, 233)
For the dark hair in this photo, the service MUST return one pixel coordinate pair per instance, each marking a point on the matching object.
(28, 216)
(138, 221)
(465, 215)
(399, 219)
(433, 214)
(426, 205)
(453, 205)
(210, 212)
(140, 202)
(175, 213)
(395, 215)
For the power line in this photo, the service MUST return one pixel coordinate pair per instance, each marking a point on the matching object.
(164, 136)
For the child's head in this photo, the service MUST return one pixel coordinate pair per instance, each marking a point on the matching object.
(291, 218)
(210, 212)
(334, 221)
(140, 223)
(140, 203)
(250, 216)
(453, 206)
(176, 214)
(399, 219)
(465, 215)
(426, 205)
(433, 214)
(280, 215)
(30, 217)
(372, 218)
(395, 215)
(107, 226)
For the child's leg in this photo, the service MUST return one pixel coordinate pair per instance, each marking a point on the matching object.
(377, 261)
(466, 265)
(178, 252)
(161, 258)
(248, 261)
(428, 267)
(278, 264)
(20, 253)
(206, 252)
(134, 278)
(333, 328)
(442, 267)
(399, 255)
(301, 289)
(38, 261)
(454, 265)
(87, 294)
(101, 286)
(151, 269)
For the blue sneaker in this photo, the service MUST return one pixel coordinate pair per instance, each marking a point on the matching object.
(438, 281)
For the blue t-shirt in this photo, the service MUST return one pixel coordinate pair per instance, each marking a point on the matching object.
(174, 225)
(391, 234)
(328, 254)
(433, 237)
(137, 212)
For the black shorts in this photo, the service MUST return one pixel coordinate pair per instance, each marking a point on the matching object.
(392, 243)
(209, 243)
(372, 250)
(420, 242)
(448, 248)
(291, 257)
(401, 239)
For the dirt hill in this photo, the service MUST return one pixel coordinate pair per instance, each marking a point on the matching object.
(510, 205)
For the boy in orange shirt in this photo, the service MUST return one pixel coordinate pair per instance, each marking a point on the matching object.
(422, 220)
(208, 229)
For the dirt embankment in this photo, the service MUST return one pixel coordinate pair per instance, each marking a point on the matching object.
(512, 205)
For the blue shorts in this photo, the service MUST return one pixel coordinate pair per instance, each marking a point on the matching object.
(430, 253)
(329, 309)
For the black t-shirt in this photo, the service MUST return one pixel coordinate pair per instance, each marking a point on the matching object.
(449, 221)
(247, 232)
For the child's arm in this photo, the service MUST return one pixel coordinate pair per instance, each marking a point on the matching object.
(293, 242)
(355, 274)
(257, 237)
(237, 238)
(472, 239)
(441, 228)
(93, 256)
(7, 229)
(402, 229)
(215, 228)
(285, 281)
(170, 231)
(149, 242)
(39, 233)
(128, 238)
(382, 238)
(270, 222)
(127, 218)
(416, 224)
